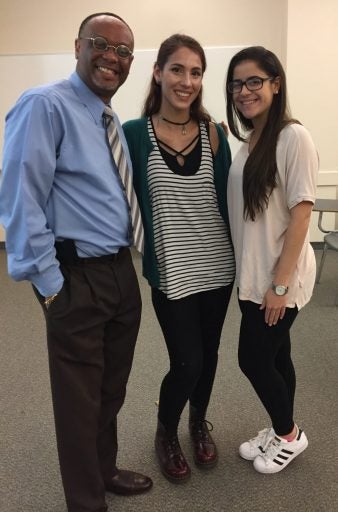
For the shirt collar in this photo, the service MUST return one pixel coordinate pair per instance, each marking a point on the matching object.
(94, 104)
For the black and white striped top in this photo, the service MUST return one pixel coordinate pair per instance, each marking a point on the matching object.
(192, 242)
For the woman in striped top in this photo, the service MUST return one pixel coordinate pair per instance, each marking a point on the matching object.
(181, 161)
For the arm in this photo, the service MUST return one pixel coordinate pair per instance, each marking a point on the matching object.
(140, 146)
(225, 128)
(299, 159)
(214, 139)
(293, 243)
(28, 174)
(222, 162)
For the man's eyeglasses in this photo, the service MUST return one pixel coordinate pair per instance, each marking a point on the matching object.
(101, 44)
(253, 83)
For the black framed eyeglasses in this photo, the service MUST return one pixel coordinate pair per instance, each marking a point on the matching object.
(101, 44)
(253, 83)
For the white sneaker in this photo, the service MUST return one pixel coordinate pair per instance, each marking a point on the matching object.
(279, 453)
(250, 449)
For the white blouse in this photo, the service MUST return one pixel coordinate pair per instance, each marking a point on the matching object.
(258, 244)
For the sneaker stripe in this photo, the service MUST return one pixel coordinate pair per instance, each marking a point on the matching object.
(287, 451)
(280, 463)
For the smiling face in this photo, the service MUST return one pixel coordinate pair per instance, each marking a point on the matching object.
(181, 81)
(254, 105)
(103, 72)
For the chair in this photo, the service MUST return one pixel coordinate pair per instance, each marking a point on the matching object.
(330, 242)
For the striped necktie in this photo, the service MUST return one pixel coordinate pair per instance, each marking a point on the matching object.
(126, 178)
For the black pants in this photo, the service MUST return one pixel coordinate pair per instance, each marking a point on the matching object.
(91, 331)
(265, 358)
(192, 329)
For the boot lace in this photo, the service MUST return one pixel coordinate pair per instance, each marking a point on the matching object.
(202, 428)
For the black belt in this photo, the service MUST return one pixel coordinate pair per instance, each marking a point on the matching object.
(67, 255)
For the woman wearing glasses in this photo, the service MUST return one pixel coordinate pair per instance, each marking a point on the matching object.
(271, 190)
(181, 161)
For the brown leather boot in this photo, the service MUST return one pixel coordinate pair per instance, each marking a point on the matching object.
(205, 450)
(171, 459)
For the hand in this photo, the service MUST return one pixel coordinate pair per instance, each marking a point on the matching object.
(225, 128)
(275, 307)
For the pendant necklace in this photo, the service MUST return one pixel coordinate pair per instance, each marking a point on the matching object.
(184, 128)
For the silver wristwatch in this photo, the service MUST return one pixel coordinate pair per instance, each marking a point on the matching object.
(279, 289)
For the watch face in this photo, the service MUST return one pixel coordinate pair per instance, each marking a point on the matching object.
(280, 290)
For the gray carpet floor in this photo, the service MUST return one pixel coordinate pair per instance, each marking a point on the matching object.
(30, 480)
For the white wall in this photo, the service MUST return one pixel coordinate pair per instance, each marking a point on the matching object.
(312, 70)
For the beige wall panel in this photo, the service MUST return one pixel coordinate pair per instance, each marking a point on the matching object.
(312, 66)
(44, 26)
(312, 57)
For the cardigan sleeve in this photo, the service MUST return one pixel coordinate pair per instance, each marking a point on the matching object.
(222, 164)
(140, 147)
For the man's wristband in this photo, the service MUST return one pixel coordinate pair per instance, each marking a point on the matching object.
(49, 300)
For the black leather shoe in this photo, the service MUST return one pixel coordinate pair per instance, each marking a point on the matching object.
(170, 456)
(205, 450)
(128, 482)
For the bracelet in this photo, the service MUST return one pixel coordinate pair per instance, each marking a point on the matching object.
(50, 299)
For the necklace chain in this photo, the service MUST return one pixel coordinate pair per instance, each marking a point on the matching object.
(184, 128)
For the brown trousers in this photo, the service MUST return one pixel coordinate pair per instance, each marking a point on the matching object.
(92, 328)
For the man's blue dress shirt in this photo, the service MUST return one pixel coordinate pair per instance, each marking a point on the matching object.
(59, 182)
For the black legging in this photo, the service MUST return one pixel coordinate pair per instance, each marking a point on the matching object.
(264, 355)
(192, 329)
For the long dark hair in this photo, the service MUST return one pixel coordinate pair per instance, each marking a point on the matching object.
(153, 100)
(260, 170)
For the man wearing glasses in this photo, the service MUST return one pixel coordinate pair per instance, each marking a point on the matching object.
(68, 227)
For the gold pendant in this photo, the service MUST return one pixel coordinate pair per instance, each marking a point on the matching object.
(184, 130)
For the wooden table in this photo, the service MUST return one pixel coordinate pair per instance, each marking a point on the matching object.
(322, 206)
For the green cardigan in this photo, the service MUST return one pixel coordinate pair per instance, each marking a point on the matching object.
(140, 146)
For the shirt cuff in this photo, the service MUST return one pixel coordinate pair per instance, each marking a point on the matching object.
(48, 283)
